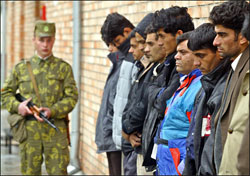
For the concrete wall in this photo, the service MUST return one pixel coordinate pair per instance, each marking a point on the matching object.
(21, 16)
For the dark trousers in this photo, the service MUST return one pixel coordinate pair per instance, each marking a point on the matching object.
(129, 163)
(114, 162)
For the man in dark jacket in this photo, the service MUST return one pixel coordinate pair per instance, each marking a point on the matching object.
(215, 71)
(114, 37)
(136, 107)
(169, 23)
(130, 156)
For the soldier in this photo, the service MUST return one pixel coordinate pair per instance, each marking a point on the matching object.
(58, 96)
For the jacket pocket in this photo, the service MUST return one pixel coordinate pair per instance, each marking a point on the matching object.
(25, 84)
(107, 126)
(55, 85)
(18, 128)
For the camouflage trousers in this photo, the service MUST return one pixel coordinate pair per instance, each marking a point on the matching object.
(44, 140)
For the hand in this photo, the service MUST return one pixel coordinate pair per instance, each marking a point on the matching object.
(45, 110)
(135, 139)
(23, 109)
(125, 135)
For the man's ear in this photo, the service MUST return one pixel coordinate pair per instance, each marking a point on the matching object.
(126, 31)
(179, 32)
(242, 39)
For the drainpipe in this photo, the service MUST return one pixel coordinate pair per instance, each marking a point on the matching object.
(3, 41)
(74, 166)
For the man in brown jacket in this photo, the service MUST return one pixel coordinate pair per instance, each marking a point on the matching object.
(228, 19)
(243, 98)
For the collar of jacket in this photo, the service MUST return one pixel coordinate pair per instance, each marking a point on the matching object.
(210, 80)
(170, 59)
(38, 60)
(139, 64)
(124, 47)
(189, 78)
(114, 57)
(195, 72)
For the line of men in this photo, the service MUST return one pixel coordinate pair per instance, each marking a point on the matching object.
(179, 96)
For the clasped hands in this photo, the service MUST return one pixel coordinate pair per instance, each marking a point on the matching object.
(134, 138)
(24, 110)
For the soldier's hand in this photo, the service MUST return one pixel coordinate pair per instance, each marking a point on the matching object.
(135, 139)
(23, 109)
(37, 117)
(46, 111)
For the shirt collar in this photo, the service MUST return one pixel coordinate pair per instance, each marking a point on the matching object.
(44, 57)
(182, 77)
(235, 62)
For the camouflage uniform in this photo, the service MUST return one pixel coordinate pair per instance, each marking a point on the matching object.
(57, 89)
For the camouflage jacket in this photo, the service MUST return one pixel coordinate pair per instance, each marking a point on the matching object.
(55, 82)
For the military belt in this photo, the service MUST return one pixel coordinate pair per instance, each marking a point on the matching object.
(30, 117)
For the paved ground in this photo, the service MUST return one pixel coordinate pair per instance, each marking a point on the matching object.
(10, 163)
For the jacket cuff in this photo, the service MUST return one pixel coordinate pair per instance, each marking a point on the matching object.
(53, 112)
(126, 127)
(15, 106)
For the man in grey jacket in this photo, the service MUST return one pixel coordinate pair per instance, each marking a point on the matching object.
(115, 31)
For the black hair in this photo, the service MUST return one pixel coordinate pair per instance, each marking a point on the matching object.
(230, 14)
(104, 33)
(132, 34)
(114, 25)
(142, 25)
(202, 38)
(150, 29)
(173, 19)
(183, 37)
(245, 29)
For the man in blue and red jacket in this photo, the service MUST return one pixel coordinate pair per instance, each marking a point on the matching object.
(171, 136)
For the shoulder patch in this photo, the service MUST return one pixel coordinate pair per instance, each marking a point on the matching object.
(22, 61)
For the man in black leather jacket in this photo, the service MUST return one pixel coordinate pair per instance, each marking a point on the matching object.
(169, 23)
(215, 70)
